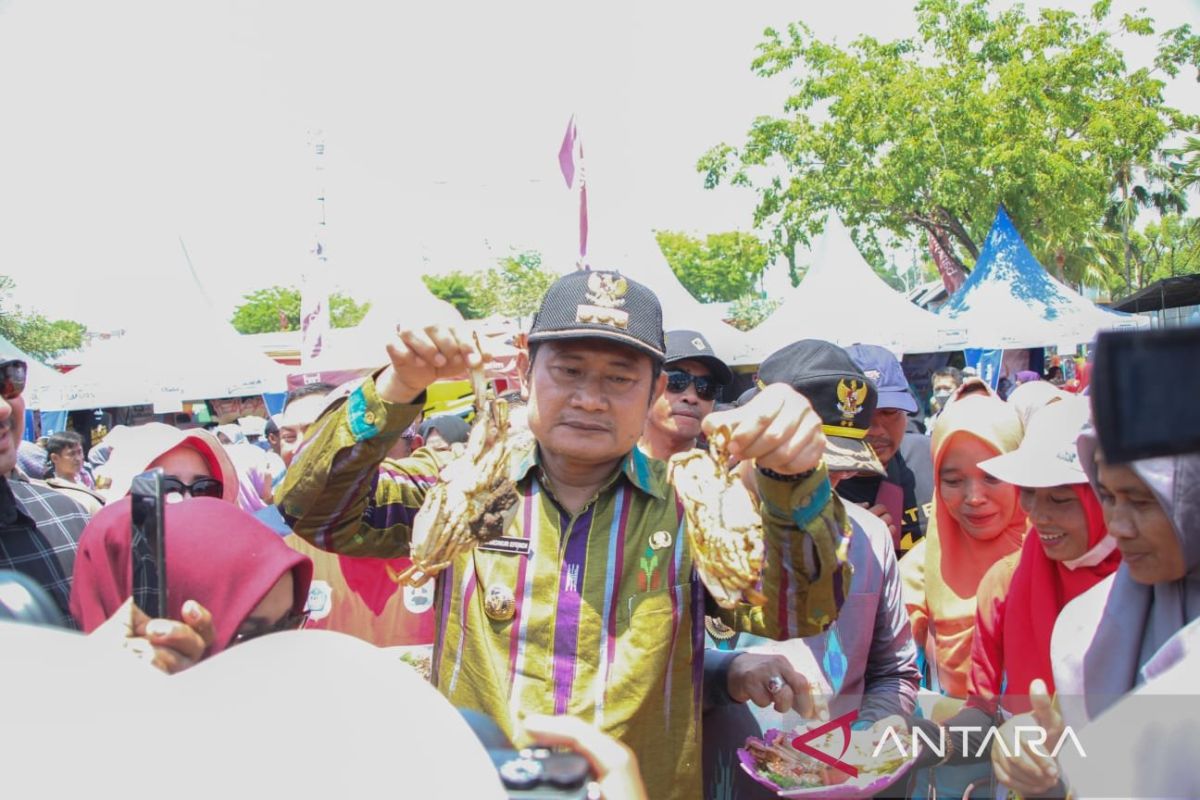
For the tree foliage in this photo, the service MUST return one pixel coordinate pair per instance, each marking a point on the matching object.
(278, 308)
(459, 289)
(721, 268)
(927, 136)
(38, 336)
(748, 311)
(512, 288)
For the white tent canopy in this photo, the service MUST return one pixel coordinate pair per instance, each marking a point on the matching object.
(1011, 302)
(638, 256)
(842, 300)
(146, 366)
(406, 300)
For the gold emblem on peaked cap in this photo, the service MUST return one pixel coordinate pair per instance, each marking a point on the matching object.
(607, 289)
(851, 396)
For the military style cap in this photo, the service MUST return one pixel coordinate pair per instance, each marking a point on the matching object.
(590, 304)
(840, 393)
(692, 346)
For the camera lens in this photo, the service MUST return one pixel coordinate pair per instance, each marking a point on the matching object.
(521, 773)
(566, 770)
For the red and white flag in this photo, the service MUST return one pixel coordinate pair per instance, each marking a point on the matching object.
(570, 161)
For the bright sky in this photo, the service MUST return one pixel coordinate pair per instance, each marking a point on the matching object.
(128, 125)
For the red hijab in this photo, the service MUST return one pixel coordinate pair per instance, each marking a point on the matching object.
(217, 555)
(1040, 588)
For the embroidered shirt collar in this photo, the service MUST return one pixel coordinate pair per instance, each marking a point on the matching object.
(635, 466)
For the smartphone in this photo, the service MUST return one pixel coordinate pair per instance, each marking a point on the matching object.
(1144, 389)
(148, 551)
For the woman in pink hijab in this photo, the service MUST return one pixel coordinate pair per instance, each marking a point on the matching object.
(216, 554)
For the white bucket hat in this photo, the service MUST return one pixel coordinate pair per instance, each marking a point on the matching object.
(1047, 455)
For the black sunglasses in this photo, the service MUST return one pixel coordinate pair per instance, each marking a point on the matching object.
(290, 622)
(706, 388)
(201, 487)
(12, 378)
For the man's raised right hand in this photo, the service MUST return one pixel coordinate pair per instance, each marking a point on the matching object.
(421, 356)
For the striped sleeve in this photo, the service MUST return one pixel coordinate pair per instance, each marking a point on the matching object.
(807, 569)
(342, 494)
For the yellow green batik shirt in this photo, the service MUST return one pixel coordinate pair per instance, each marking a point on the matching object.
(606, 619)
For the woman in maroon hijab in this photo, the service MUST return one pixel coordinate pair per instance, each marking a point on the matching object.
(217, 555)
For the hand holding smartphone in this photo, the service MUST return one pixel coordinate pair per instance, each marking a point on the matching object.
(147, 544)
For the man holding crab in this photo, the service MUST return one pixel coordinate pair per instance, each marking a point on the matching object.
(589, 604)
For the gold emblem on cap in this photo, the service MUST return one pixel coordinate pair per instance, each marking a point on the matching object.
(606, 291)
(499, 603)
(660, 540)
(851, 396)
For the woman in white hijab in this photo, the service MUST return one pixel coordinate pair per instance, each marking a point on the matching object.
(1119, 636)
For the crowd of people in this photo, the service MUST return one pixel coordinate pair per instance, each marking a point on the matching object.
(973, 563)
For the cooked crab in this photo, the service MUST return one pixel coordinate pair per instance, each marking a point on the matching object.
(475, 499)
(724, 527)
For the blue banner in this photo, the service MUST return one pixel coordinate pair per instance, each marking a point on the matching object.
(986, 363)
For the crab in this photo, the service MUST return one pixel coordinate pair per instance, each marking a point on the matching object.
(475, 499)
(724, 526)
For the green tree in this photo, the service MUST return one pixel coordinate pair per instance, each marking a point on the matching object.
(929, 135)
(459, 290)
(748, 311)
(261, 311)
(1169, 247)
(512, 288)
(515, 287)
(721, 268)
(38, 336)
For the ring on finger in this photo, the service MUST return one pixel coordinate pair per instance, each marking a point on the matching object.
(775, 684)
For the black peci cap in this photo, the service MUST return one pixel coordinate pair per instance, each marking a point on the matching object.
(840, 393)
(592, 304)
(692, 346)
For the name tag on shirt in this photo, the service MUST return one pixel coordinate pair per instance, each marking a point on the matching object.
(507, 544)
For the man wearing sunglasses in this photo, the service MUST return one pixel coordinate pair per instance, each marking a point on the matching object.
(695, 377)
(39, 528)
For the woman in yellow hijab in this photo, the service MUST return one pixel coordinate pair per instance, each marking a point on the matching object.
(976, 521)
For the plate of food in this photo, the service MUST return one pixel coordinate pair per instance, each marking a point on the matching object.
(777, 764)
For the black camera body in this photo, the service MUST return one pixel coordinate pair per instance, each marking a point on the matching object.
(542, 774)
(1144, 390)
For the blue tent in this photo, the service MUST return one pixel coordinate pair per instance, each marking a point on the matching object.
(1010, 302)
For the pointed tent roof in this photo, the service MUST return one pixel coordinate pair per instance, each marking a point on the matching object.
(842, 300)
(146, 366)
(639, 257)
(1010, 301)
(407, 300)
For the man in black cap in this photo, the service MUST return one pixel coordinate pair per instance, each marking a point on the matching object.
(903, 496)
(590, 604)
(866, 660)
(695, 377)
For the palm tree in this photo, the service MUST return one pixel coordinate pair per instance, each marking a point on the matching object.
(1161, 190)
